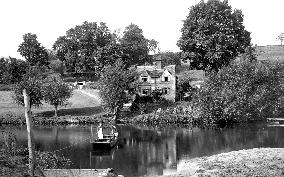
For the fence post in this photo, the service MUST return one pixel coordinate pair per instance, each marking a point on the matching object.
(29, 131)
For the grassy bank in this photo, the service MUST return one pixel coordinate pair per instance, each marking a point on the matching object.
(252, 162)
(81, 108)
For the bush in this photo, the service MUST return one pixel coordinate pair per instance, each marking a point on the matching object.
(240, 92)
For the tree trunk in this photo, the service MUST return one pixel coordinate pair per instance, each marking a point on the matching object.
(55, 110)
(30, 133)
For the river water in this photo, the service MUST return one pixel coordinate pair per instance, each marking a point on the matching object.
(149, 151)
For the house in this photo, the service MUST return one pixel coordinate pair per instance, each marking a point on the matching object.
(152, 77)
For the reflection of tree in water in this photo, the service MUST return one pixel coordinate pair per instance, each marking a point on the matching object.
(198, 143)
(146, 151)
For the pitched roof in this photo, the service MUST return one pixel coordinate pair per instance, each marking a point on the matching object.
(155, 73)
(171, 69)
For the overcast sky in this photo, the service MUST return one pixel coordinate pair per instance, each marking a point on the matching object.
(159, 19)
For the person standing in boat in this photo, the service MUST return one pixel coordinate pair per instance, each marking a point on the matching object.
(100, 131)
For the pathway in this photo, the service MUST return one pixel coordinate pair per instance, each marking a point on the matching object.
(95, 96)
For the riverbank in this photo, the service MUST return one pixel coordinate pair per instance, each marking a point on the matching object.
(251, 162)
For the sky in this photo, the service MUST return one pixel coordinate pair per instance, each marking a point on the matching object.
(161, 20)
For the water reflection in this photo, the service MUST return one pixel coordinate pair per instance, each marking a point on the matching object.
(147, 151)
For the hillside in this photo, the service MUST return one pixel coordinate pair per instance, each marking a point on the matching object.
(273, 53)
(78, 104)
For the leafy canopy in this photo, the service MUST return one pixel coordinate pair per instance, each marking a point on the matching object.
(77, 47)
(138, 46)
(32, 51)
(114, 83)
(55, 91)
(12, 70)
(213, 35)
(241, 91)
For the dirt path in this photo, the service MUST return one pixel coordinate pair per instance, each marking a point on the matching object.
(94, 94)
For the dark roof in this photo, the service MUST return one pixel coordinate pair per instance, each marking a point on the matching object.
(155, 73)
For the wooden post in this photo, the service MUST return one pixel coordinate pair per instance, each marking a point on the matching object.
(29, 131)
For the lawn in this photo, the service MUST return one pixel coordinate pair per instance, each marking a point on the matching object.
(78, 104)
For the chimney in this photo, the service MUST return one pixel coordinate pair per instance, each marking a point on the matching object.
(158, 61)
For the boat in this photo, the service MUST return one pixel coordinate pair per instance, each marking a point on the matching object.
(106, 142)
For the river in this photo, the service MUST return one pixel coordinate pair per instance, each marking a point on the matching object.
(149, 151)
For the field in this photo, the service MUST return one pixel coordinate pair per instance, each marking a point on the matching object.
(272, 53)
(78, 104)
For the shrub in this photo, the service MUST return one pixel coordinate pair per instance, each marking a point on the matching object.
(240, 92)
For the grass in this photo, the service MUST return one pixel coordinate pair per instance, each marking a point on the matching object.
(273, 53)
(78, 104)
(251, 162)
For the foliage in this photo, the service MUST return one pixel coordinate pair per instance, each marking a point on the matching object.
(12, 70)
(184, 90)
(32, 51)
(108, 55)
(156, 95)
(114, 83)
(51, 160)
(240, 92)
(280, 37)
(76, 48)
(169, 116)
(213, 35)
(138, 46)
(55, 91)
(32, 82)
(54, 63)
(33, 87)
(57, 66)
(170, 58)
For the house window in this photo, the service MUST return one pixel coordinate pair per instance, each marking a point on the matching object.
(166, 79)
(144, 79)
(166, 91)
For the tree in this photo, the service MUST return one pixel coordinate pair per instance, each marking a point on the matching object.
(12, 70)
(138, 46)
(32, 82)
(33, 89)
(242, 91)
(109, 54)
(170, 58)
(32, 51)
(213, 35)
(113, 84)
(54, 63)
(281, 37)
(76, 49)
(55, 92)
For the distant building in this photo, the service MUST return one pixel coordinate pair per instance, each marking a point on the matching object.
(152, 77)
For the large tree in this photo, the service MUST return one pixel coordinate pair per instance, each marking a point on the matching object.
(138, 46)
(213, 34)
(108, 55)
(55, 91)
(76, 48)
(33, 51)
(114, 83)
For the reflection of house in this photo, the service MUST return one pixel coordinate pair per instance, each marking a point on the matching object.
(152, 77)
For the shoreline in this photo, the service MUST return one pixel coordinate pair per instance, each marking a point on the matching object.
(249, 162)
